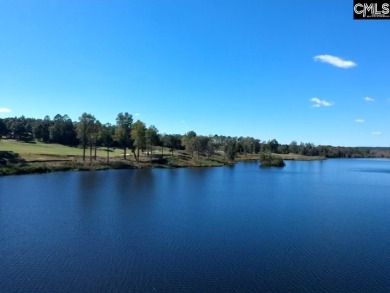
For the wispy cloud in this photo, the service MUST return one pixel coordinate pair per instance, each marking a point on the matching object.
(376, 133)
(369, 99)
(137, 114)
(360, 120)
(335, 61)
(5, 110)
(320, 103)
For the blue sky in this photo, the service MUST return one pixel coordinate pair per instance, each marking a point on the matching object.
(291, 70)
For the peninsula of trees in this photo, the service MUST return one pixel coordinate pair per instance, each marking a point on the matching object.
(140, 143)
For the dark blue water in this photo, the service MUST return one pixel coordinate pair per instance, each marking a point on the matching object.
(309, 227)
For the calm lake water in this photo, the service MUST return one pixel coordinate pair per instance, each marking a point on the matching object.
(310, 227)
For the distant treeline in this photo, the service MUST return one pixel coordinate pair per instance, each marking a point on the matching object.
(90, 133)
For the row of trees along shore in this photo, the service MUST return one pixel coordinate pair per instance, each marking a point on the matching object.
(89, 133)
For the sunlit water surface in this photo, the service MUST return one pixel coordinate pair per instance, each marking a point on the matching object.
(309, 227)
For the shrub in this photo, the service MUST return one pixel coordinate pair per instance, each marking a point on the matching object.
(269, 160)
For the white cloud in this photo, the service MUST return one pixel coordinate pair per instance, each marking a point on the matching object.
(360, 120)
(5, 110)
(137, 114)
(369, 99)
(376, 133)
(335, 61)
(320, 103)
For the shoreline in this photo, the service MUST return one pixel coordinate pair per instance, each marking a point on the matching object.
(50, 163)
(75, 164)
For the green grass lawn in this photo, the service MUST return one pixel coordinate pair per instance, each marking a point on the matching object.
(38, 150)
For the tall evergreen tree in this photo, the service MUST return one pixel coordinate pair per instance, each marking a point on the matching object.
(84, 129)
(123, 130)
(138, 134)
(107, 137)
(151, 138)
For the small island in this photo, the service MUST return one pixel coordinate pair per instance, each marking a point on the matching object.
(269, 160)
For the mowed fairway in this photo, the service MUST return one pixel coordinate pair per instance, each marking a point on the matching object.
(43, 151)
